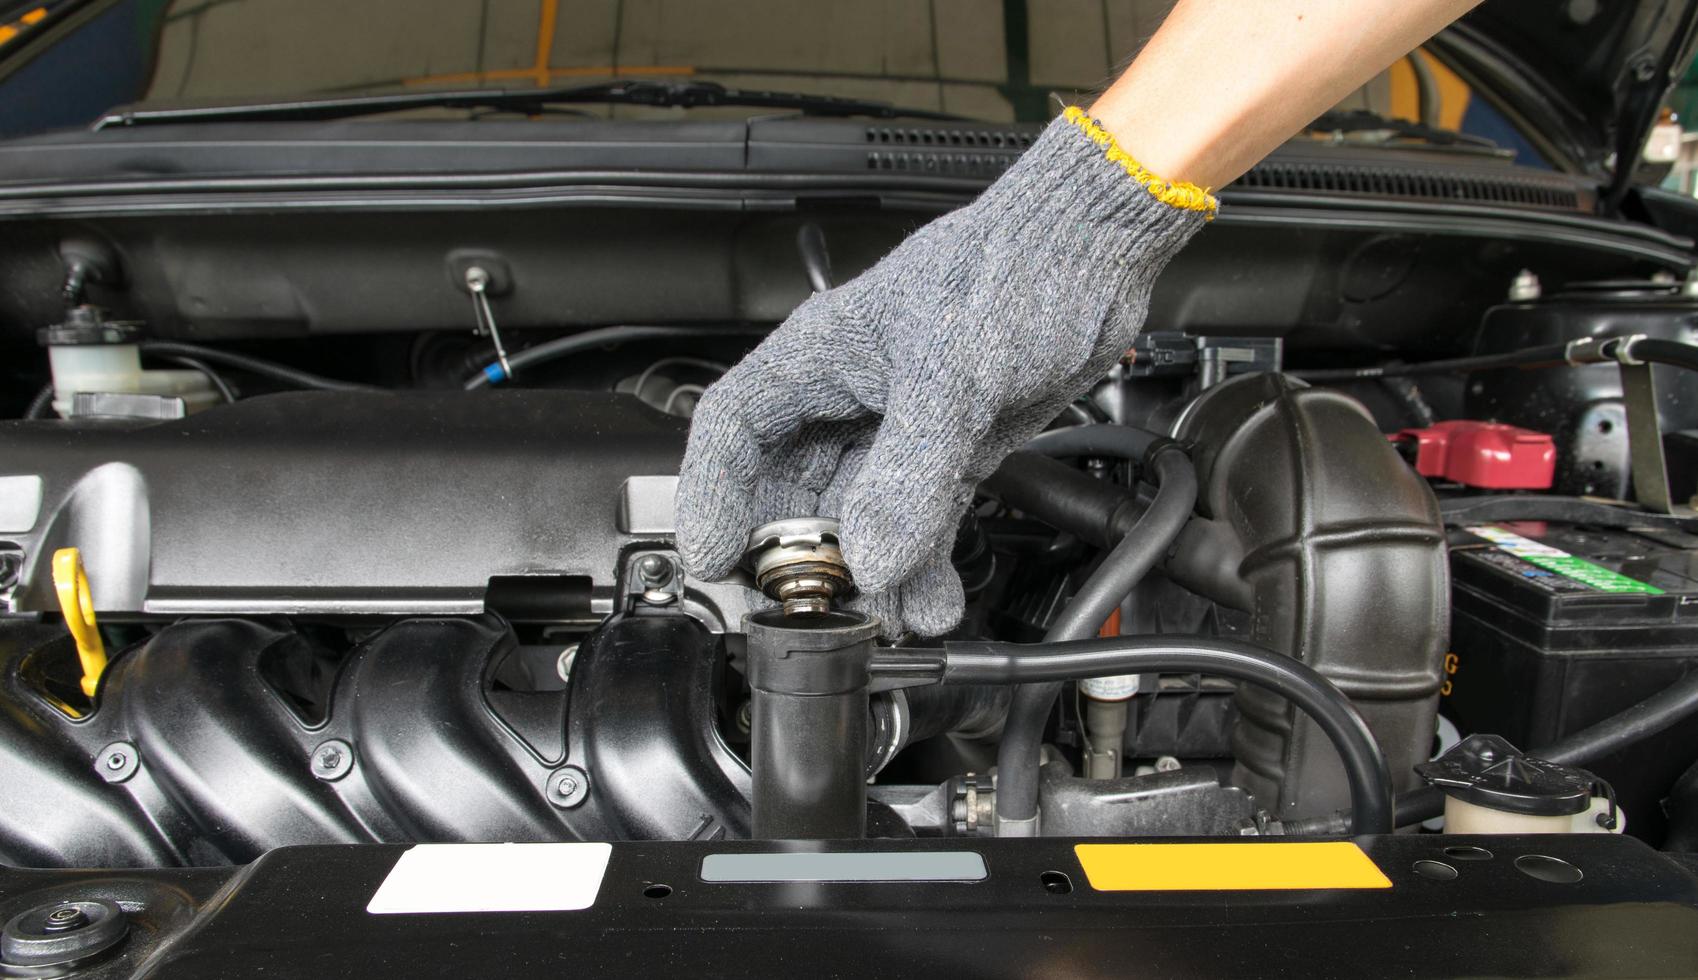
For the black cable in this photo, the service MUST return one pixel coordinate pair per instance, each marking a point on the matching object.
(217, 380)
(252, 365)
(1628, 350)
(1654, 351)
(1050, 663)
(38, 405)
(590, 339)
(1655, 714)
(1550, 355)
(1131, 559)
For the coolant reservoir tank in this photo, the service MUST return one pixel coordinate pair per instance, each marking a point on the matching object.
(1491, 787)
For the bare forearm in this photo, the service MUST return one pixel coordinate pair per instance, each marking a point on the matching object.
(1223, 83)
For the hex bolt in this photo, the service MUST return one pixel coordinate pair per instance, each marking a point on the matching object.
(65, 918)
(654, 570)
(656, 573)
(117, 762)
(568, 787)
(332, 760)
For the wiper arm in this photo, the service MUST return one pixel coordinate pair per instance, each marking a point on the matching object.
(1361, 120)
(662, 94)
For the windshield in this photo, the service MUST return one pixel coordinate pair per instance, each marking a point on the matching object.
(993, 60)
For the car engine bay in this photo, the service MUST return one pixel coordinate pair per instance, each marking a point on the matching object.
(1219, 596)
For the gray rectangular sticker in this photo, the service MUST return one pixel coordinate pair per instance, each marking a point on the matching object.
(848, 866)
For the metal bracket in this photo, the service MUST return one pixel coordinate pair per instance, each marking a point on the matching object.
(478, 281)
(1645, 440)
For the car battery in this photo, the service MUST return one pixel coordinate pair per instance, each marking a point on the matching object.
(1556, 627)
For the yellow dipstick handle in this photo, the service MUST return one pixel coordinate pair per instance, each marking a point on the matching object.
(77, 603)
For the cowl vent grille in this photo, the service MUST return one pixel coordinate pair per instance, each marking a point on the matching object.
(945, 151)
(1409, 183)
(999, 139)
(950, 164)
(986, 152)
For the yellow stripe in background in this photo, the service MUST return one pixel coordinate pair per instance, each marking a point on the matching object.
(1228, 867)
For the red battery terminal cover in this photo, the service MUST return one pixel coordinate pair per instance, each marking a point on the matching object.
(1490, 455)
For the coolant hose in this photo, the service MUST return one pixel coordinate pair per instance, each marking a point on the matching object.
(1094, 440)
(1655, 714)
(1364, 765)
(1130, 560)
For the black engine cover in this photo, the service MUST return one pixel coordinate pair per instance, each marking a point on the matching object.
(340, 503)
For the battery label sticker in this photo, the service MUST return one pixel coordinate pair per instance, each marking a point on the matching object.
(438, 878)
(1558, 562)
(848, 866)
(1228, 867)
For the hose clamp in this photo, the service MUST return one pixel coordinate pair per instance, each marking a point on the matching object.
(1585, 350)
(1624, 350)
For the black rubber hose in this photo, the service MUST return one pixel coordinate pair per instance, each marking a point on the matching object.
(577, 343)
(971, 710)
(1364, 764)
(252, 365)
(1098, 512)
(1122, 441)
(39, 404)
(1139, 551)
(1655, 714)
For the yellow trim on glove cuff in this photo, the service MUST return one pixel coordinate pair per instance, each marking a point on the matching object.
(1185, 196)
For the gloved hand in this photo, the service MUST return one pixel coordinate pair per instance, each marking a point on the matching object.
(885, 401)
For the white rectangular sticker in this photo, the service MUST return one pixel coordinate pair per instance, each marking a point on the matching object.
(433, 878)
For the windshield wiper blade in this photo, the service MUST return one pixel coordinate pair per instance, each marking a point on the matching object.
(1363, 121)
(660, 94)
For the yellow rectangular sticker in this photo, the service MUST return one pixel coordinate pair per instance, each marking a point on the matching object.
(1243, 866)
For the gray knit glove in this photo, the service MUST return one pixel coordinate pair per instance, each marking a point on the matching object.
(885, 401)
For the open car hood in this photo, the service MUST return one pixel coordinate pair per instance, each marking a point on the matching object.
(1586, 77)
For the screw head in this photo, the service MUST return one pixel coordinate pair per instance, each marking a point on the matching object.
(117, 762)
(568, 787)
(332, 760)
